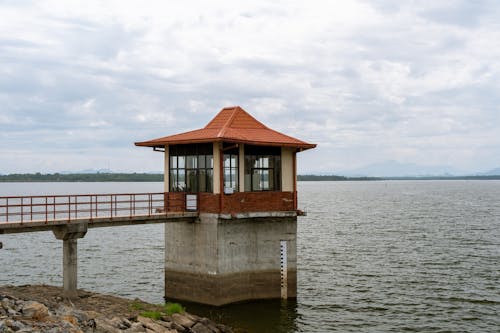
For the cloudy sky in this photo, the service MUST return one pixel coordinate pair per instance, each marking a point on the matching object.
(368, 81)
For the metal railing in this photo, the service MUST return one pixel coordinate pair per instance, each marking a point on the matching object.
(47, 208)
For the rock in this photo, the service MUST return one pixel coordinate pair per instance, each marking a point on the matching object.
(200, 328)
(135, 328)
(182, 320)
(52, 315)
(12, 313)
(14, 325)
(165, 322)
(34, 310)
(120, 323)
(4, 328)
(104, 326)
(224, 328)
(5, 303)
(144, 320)
(150, 324)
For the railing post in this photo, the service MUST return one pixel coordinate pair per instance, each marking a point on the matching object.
(46, 209)
(54, 206)
(69, 207)
(22, 216)
(111, 204)
(149, 204)
(130, 205)
(31, 208)
(7, 209)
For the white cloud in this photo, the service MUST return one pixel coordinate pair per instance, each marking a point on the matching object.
(367, 80)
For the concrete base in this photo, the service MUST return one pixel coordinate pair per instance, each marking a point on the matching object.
(228, 288)
(220, 260)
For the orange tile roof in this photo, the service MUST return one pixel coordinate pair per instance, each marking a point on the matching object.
(231, 124)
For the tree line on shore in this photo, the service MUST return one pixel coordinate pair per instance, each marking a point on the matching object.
(82, 177)
(158, 177)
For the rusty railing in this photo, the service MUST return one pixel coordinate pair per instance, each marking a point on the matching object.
(47, 208)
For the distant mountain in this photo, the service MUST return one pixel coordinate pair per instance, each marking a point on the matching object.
(494, 172)
(398, 169)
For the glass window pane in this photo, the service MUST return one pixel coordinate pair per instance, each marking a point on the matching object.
(192, 181)
(191, 162)
(172, 180)
(265, 162)
(256, 180)
(201, 161)
(202, 181)
(210, 181)
(180, 162)
(173, 162)
(264, 178)
(181, 180)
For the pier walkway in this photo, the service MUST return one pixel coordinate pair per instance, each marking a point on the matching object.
(70, 216)
(20, 214)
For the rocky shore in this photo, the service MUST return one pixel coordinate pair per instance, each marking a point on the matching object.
(39, 308)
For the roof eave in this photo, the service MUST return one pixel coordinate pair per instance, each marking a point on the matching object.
(173, 142)
(301, 146)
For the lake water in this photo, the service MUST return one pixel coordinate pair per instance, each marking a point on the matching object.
(388, 256)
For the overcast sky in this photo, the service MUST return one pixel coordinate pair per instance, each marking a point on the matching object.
(368, 81)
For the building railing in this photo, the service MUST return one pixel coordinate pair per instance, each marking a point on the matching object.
(47, 208)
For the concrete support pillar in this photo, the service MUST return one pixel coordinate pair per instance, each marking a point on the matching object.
(70, 270)
(69, 234)
(220, 260)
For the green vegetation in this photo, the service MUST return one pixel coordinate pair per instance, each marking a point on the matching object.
(150, 177)
(342, 178)
(156, 315)
(171, 308)
(155, 311)
(136, 305)
(82, 177)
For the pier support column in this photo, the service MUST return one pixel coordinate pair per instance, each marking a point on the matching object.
(69, 234)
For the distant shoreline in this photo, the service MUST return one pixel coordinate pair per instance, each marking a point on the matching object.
(154, 177)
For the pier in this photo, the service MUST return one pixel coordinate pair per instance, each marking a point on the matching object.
(229, 208)
(70, 216)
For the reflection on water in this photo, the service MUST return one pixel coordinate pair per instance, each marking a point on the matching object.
(266, 316)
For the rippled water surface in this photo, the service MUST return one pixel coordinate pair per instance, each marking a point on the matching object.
(415, 256)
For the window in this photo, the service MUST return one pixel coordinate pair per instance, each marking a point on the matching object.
(191, 168)
(262, 168)
(230, 172)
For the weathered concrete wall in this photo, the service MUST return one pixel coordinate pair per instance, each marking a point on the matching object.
(219, 261)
